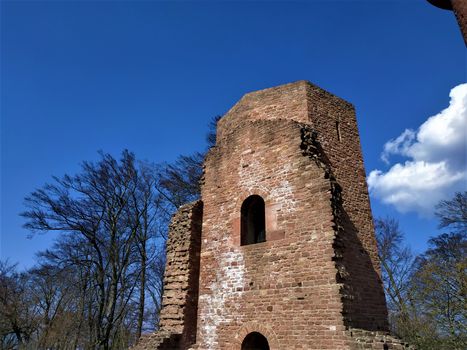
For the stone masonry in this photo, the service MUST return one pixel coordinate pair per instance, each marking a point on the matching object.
(314, 283)
(180, 300)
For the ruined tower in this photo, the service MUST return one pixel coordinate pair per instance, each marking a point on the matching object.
(279, 253)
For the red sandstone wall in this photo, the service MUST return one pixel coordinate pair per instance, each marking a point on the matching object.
(345, 157)
(282, 102)
(365, 305)
(362, 294)
(181, 278)
(288, 285)
(306, 103)
(310, 280)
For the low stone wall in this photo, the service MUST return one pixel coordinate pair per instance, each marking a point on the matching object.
(362, 339)
(177, 325)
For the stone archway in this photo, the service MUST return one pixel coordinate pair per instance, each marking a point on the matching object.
(255, 341)
(255, 327)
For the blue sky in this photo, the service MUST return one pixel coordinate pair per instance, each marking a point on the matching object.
(83, 76)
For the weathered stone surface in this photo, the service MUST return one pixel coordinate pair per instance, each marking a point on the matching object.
(177, 327)
(362, 339)
(315, 282)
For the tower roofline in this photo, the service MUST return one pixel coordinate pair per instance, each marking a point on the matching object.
(257, 95)
(294, 101)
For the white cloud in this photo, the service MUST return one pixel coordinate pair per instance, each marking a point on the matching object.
(436, 160)
(400, 145)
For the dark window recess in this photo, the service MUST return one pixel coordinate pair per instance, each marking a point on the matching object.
(253, 229)
(255, 341)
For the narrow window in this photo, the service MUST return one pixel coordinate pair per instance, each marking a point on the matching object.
(253, 228)
(338, 131)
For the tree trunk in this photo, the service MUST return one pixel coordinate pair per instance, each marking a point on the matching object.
(142, 290)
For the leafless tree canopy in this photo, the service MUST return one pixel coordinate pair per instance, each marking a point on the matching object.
(100, 285)
(426, 294)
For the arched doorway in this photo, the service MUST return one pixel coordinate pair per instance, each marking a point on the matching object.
(255, 341)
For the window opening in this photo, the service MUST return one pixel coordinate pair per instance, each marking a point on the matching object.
(253, 229)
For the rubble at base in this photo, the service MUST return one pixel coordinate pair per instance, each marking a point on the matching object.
(362, 339)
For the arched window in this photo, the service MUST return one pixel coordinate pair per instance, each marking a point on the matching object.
(253, 228)
(255, 341)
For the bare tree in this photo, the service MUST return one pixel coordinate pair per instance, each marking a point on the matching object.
(397, 267)
(452, 213)
(148, 210)
(179, 182)
(440, 281)
(212, 130)
(103, 214)
(426, 295)
(100, 285)
(440, 287)
(18, 314)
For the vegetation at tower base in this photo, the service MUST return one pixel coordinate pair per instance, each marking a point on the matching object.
(397, 264)
(427, 293)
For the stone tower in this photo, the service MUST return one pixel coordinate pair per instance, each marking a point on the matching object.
(280, 252)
